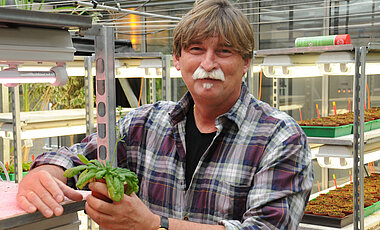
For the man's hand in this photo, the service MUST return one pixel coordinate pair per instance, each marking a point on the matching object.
(129, 213)
(42, 189)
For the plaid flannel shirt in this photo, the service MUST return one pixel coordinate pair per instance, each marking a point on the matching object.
(256, 174)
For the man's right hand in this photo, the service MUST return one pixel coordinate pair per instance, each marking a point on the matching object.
(43, 189)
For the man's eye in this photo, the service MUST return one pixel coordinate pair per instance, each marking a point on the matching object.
(224, 52)
(195, 48)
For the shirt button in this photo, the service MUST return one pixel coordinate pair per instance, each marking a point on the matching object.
(186, 218)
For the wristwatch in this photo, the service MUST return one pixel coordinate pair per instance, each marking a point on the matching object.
(164, 225)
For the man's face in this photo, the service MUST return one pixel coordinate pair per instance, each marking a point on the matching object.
(213, 56)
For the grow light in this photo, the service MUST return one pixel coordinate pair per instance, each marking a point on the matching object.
(11, 77)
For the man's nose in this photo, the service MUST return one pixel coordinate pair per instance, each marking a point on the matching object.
(209, 62)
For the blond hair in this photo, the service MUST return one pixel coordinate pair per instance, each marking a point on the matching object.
(210, 18)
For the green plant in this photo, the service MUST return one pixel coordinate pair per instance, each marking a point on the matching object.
(11, 167)
(115, 177)
(38, 96)
(23, 4)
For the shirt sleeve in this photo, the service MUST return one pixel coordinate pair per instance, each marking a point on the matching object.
(282, 183)
(67, 157)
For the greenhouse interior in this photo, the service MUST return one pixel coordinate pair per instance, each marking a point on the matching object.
(71, 70)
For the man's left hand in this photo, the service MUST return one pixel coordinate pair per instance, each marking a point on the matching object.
(129, 213)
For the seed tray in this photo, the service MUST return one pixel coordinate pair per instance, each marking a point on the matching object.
(11, 176)
(322, 131)
(337, 222)
(375, 124)
(367, 126)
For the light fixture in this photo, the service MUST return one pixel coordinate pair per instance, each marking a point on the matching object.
(256, 69)
(174, 73)
(372, 68)
(22, 44)
(11, 77)
(276, 66)
(281, 66)
(129, 72)
(148, 68)
(35, 44)
(336, 63)
(152, 67)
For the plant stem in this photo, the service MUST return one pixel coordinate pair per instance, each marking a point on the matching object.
(117, 134)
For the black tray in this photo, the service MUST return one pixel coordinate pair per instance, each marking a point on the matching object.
(327, 220)
(337, 222)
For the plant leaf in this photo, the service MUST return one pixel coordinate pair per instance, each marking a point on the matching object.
(83, 159)
(74, 171)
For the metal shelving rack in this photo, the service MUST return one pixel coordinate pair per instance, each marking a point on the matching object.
(352, 146)
(13, 18)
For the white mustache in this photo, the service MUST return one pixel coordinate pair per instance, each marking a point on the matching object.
(200, 73)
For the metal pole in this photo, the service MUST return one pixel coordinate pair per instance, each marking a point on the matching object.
(363, 80)
(89, 92)
(17, 154)
(276, 101)
(105, 94)
(358, 141)
(152, 90)
(4, 108)
(166, 84)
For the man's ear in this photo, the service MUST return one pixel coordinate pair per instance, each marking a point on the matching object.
(176, 62)
(247, 64)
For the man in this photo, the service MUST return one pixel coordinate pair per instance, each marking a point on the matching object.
(217, 159)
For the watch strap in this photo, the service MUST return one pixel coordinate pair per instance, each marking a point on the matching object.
(164, 223)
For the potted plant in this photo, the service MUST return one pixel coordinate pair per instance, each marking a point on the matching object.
(11, 170)
(116, 178)
(119, 181)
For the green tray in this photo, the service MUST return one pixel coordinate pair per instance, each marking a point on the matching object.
(375, 124)
(11, 176)
(367, 126)
(371, 209)
(321, 131)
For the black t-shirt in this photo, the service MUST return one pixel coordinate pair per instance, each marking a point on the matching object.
(196, 145)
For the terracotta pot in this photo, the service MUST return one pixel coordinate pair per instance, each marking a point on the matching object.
(336, 214)
(99, 195)
(320, 213)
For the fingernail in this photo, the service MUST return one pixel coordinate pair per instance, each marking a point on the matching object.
(31, 209)
(48, 212)
(57, 211)
(59, 198)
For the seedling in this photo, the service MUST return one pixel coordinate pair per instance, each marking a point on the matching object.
(93, 170)
(115, 177)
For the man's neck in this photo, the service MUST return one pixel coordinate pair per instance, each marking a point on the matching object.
(205, 117)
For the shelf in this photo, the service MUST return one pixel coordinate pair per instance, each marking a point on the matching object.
(337, 152)
(41, 124)
(312, 49)
(348, 140)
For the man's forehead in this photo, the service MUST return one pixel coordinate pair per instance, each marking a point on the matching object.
(220, 42)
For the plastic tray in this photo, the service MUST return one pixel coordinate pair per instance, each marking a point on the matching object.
(337, 222)
(375, 124)
(367, 126)
(11, 176)
(321, 131)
